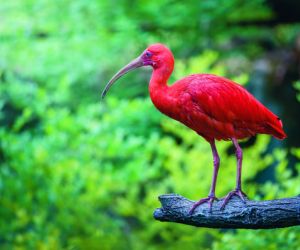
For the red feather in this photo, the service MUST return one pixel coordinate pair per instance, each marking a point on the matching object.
(216, 108)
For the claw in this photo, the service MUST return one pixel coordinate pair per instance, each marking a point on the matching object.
(209, 199)
(237, 192)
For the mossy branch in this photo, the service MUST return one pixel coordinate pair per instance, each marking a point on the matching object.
(252, 215)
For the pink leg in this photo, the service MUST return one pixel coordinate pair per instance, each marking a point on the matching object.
(211, 196)
(238, 190)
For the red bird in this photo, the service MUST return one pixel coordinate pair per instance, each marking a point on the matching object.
(214, 107)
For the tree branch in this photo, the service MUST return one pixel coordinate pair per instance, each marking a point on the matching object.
(252, 215)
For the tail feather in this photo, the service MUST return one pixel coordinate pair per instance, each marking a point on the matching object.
(275, 128)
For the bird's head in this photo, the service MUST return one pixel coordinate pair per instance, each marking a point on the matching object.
(156, 55)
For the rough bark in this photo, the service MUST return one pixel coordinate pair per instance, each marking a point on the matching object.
(252, 215)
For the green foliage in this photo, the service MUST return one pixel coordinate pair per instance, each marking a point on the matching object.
(90, 181)
(79, 42)
(77, 173)
(297, 87)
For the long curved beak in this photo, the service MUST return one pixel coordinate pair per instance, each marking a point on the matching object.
(136, 63)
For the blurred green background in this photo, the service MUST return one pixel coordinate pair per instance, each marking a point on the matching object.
(78, 173)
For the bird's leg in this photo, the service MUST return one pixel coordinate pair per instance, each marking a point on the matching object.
(211, 196)
(238, 190)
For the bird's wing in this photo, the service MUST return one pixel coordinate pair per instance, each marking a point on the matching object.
(227, 102)
(222, 99)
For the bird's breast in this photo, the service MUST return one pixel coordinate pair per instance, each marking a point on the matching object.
(183, 109)
(178, 107)
(164, 105)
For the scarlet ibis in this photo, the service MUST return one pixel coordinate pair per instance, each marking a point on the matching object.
(214, 107)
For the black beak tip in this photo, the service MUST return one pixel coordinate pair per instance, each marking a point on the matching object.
(103, 94)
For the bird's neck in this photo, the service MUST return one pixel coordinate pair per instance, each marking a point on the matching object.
(159, 89)
(162, 70)
(158, 82)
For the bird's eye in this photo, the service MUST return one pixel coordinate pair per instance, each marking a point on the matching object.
(148, 54)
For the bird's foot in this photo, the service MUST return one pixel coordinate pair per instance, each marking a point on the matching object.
(210, 199)
(237, 192)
